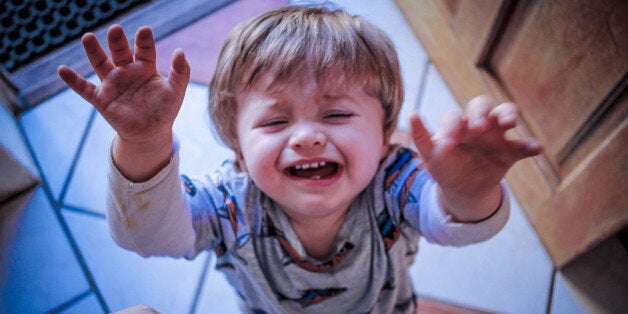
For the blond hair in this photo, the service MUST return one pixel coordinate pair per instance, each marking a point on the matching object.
(333, 46)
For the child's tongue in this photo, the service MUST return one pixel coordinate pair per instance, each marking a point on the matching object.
(315, 173)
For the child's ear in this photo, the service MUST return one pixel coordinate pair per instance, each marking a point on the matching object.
(386, 144)
(240, 161)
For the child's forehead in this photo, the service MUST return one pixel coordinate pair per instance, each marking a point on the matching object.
(274, 84)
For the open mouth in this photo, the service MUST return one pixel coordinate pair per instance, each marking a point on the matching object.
(314, 171)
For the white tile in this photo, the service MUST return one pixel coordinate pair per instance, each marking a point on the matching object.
(38, 269)
(125, 279)
(200, 151)
(412, 58)
(436, 100)
(54, 129)
(88, 186)
(564, 300)
(510, 273)
(217, 295)
(87, 305)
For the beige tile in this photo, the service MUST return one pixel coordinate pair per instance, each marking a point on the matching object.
(203, 40)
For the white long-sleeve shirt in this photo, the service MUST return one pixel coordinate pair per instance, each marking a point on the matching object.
(263, 258)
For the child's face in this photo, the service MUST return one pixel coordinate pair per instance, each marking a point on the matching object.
(311, 150)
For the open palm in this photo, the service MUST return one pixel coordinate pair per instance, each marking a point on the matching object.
(137, 101)
(471, 155)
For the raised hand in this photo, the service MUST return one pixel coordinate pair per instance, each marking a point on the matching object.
(471, 155)
(137, 102)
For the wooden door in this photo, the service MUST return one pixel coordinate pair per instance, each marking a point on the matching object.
(565, 63)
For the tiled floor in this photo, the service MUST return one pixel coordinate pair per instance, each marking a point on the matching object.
(62, 258)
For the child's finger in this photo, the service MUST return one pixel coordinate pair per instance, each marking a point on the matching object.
(505, 115)
(145, 45)
(421, 137)
(525, 148)
(96, 55)
(453, 125)
(78, 84)
(179, 72)
(477, 112)
(119, 46)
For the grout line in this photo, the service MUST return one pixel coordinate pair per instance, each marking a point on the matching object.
(44, 182)
(422, 85)
(70, 302)
(550, 295)
(57, 212)
(200, 285)
(81, 259)
(83, 211)
(77, 155)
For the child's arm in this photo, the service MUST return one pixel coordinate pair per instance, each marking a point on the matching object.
(138, 103)
(471, 155)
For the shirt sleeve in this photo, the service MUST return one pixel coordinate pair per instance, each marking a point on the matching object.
(437, 226)
(413, 200)
(152, 217)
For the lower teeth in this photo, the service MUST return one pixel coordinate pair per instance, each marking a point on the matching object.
(315, 177)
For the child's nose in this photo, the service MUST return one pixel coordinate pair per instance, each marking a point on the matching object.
(307, 135)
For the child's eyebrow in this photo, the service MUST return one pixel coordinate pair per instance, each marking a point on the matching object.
(337, 99)
(335, 96)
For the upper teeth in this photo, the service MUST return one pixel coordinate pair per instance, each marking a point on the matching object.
(312, 165)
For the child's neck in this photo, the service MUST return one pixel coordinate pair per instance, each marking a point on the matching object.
(318, 236)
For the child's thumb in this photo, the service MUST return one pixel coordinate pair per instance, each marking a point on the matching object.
(179, 75)
(421, 137)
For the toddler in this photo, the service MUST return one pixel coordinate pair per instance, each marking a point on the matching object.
(318, 212)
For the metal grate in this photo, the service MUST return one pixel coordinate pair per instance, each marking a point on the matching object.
(30, 29)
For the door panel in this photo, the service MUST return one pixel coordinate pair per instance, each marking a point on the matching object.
(560, 72)
(565, 63)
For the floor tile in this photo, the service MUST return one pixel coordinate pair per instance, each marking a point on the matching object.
(436, 100)
(216, 295)
(126, 279)
(203, 40)
(87, 189)
(54, 129)
(564, 300)
(510, 273)
(88, 304)
(41, 269)
(200, 150)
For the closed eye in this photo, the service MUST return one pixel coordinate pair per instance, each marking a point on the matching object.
(339, 115)
(273, 123)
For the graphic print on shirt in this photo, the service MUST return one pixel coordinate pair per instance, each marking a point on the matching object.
(388, 229)
(229, 211)
(315, 296)
(292, 256)
(188, 185)
(392, 172)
